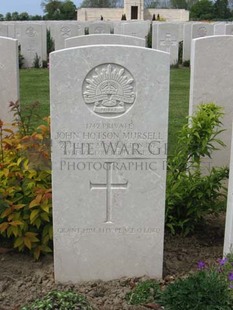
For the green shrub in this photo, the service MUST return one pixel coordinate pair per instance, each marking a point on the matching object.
(186, 63)
(25, 178)
(21, 58)
(37, 61)
(149, 37)
(204, 290)
(144, 292)
(50, 43)
(190, 194)
(61, 301)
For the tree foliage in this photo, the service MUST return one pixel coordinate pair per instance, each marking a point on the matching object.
(202, 10)
(207, 10)
(59, 10)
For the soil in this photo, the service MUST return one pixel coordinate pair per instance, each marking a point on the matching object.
(22, 280)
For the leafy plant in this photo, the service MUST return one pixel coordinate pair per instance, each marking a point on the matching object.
(149, 37)
(50, 43)
(37, 61)
(190, 194)
(123, 17)
(25, 192)
(60, 300)
(144, 292)
(205, 289)
(186, 63)
(21, 58)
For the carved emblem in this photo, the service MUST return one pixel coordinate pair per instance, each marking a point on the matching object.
(109, 90)
(202, 31)
(65, 31)
(30, 31)
(99, 29)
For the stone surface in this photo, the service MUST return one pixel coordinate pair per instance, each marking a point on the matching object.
(194, 30)
(229, 29)
(115, 14)
(211, 81)
(167, 39)
(94, 39)
(200, 30)
(9, 77)
(109, 113)
(228, 238)
(219, 29)
(3, 30)
(32, 40)
(62, 30)
(100, 27)
(133, 28)
(187, 41)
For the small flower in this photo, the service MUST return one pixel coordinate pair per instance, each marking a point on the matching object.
(230, 276)
(201, 265)
(222, 261)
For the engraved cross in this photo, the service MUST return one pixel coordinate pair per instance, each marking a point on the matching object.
(108, 186)
(168, 42)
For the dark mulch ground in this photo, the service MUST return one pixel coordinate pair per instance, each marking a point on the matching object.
(23, 280)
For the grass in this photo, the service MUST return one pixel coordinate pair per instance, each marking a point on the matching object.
(34, 86)
(179, 104)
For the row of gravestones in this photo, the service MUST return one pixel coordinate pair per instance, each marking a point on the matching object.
(109, 114)
(165, 36)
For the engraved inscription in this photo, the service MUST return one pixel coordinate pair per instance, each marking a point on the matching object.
(168, 42)
(109, 90)
(30, 31)
(202, 31)
(99, 29)
(108, 186)
(65, 31)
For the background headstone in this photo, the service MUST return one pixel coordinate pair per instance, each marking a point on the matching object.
(62, 30)
(219, 29)
(167, 36)
(229, 29)
(211, 81)
(138, 29)
(192, 31)
(100, 27)
(109, 113)
(32, 40)
(187, 41)
(9, 77)
(228, 239)
(94, 39)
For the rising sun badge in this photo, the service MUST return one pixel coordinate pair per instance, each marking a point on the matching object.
(109, 90)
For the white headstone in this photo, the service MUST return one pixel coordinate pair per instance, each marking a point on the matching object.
(9, 77)
(62, 30)
(32, 39)
(167, 36)
(187, 41)
(100, 27)
(228, 239)
(219, 29)
(229, 29)
(211, 81)
(3, 30)
(94, 39)
(109, 113)
(193, 31)
(138, 29)
(200, 30)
